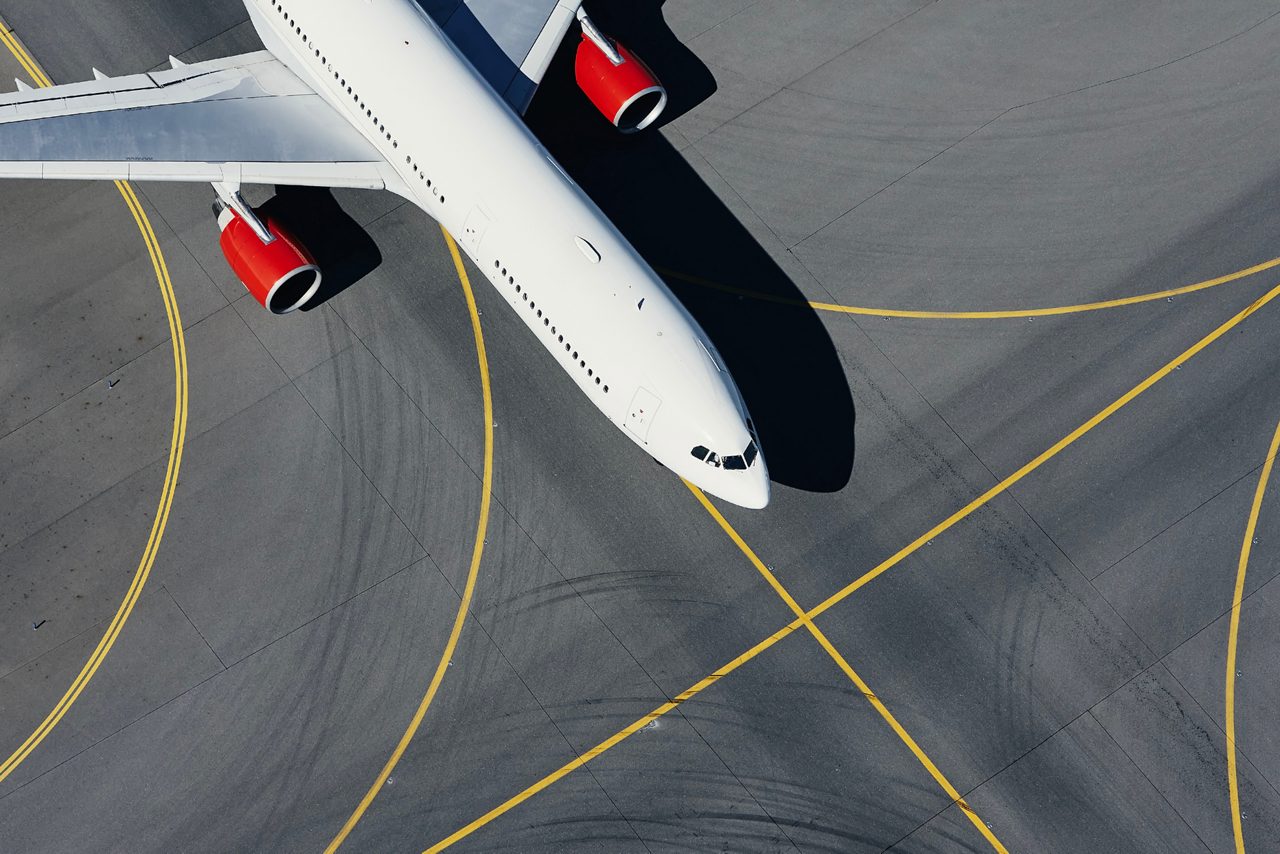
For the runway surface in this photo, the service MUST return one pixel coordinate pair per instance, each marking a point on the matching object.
(1056, 654)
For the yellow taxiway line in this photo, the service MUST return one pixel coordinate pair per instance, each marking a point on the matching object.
(709, 680)
(1233, 783)
(978, 315)
(175, 450)
(477, 551)
(872, 697)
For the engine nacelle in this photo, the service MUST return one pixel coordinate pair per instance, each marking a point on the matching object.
(282, 275)
(626, 93)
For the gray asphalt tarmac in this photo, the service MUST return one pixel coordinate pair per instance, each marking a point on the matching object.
(1059, 655)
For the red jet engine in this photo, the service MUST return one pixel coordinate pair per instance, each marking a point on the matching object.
(621, 86)
(282, 275)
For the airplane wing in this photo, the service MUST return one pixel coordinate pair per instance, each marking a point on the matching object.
(510, 42)
(238, 119)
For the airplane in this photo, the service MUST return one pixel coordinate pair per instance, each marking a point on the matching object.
(379, 94)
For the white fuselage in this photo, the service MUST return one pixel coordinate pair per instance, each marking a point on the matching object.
(461, 154)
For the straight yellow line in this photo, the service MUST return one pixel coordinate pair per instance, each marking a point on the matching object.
(786, 630)
(978, 315)
(610, 742)
(477, 551)
(848, 670)
(171, 473)
(1233, 782)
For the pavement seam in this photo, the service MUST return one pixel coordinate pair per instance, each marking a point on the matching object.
(790, 248)
(191, 437)
(851, 48)
(164, 66)
(381, 216)
(1193, 511)
(689, 40)
(59, 645)
(1156, 67)
(293, 383)
(178, 237)
(1150, 782)
(187, 617)
(115, 370)
(213, 676)
(1023, 105)
(550, 719)
(692, 140)
(1239, 750)
(764, 222)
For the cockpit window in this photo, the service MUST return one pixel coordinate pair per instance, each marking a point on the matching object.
(733, 462)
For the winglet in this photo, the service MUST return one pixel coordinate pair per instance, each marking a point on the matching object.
(22, 87)
(98, 75)
(174, 62)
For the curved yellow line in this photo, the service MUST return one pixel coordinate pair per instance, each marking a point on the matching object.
(1233, 782)
(977, 315)
(177, 441)
(847, 669)
(899, 556)
(477, 551)
(6, 36)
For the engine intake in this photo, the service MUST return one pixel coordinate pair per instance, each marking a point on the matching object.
(627, 93)
(282, 275)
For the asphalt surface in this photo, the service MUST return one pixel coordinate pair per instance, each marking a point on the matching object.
(1059, 655)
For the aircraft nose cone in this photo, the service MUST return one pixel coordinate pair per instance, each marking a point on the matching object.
(748, 489)
(755, 494)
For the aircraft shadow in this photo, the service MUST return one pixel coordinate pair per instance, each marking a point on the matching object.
(781, 356)
(342, 249)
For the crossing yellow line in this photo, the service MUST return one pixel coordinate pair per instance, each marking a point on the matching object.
(1233, 783)
(477, 551)
(171, 472)
(848, 670)
(707, 681)
(977, 315)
